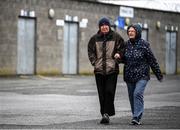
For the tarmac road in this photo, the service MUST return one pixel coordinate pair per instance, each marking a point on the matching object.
(71, 102)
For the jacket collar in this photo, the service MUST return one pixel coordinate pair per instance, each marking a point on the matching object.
(105, 36)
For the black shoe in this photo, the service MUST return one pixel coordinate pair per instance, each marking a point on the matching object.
(105, 119)
(135, 121)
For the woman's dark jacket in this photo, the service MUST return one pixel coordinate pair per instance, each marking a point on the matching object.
(138, 59)
(101, 51)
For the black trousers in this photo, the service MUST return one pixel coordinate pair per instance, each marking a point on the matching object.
(106, 86)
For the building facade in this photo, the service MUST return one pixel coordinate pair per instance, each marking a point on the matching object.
(51, 37)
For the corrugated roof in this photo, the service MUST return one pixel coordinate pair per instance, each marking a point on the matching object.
(163, 5)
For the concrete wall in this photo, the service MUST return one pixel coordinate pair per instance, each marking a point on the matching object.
(49, 36)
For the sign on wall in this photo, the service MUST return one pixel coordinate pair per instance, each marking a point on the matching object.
(126, 12)
(121, 22)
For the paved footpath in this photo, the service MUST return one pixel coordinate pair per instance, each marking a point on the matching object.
(71, 102)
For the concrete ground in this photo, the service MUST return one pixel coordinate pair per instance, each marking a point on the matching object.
(71, 102)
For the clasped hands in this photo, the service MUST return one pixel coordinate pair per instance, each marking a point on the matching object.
(117, 56)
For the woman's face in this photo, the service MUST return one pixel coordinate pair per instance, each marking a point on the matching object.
(104, 29)
(131, 33)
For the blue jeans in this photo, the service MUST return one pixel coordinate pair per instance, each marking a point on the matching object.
(136, 95)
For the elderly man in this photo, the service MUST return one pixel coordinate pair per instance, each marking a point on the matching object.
(104, 50)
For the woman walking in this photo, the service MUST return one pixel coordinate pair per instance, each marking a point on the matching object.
(138, 59)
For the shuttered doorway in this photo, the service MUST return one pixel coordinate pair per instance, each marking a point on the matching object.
(70, 52)
(26, 46)
(171, 52)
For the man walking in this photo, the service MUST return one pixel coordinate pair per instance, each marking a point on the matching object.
(104, 50)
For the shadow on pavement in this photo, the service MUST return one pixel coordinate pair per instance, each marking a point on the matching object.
(157, 118)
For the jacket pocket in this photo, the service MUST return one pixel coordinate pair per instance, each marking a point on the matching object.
(110, 65)
(98, 65)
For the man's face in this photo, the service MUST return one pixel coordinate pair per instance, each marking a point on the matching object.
(104, 29)
(131, 33)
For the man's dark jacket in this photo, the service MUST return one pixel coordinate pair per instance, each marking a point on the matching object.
(101, 51)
